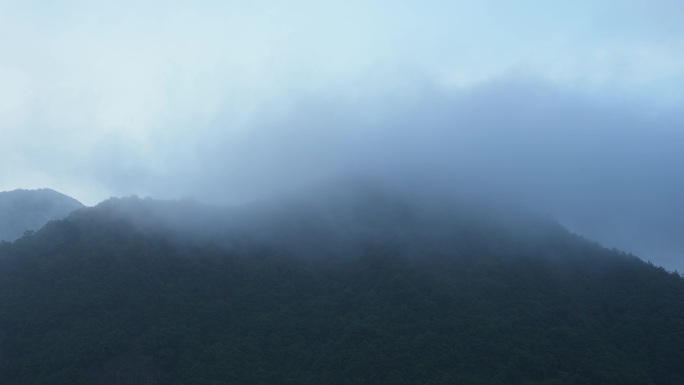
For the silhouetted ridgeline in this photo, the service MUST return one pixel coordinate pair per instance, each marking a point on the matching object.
(360, 287)
(29, 210)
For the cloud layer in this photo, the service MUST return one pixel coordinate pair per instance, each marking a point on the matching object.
(572, 108)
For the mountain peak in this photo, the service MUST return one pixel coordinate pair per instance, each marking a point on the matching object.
(28, 210)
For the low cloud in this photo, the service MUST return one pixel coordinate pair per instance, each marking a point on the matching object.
(573, 111)
(610, 171)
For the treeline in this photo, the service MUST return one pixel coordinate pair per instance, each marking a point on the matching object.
(94, 300)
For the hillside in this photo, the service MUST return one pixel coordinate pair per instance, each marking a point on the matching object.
(352, 288)
(29, 210)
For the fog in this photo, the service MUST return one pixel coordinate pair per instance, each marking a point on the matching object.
(573, 110)
(611, 172)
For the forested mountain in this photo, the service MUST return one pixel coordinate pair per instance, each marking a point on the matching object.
(350, 288)
(29, 210)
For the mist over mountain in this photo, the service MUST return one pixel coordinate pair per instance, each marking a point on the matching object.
(333, 220)
(350, 283)
(29, 210)
(345, 192)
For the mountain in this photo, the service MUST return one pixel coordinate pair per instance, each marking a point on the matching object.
(360, 286)
(29, 210)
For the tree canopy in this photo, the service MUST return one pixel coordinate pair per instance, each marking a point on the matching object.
(93, 299)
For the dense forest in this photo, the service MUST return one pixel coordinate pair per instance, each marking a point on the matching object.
(384, 292)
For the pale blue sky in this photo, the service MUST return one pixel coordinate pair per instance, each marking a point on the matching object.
(150, 79)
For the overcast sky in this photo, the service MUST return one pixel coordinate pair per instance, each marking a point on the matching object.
(572, 107)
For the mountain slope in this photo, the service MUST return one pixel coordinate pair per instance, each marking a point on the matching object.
(29, 210)
(113, 293)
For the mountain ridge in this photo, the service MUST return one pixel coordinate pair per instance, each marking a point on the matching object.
(470, 301)
(24, 210)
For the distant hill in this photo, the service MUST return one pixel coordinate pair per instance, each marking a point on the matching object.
(22, 210)
(353, 287)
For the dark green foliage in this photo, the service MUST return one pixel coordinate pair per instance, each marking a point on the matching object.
(92, 300)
